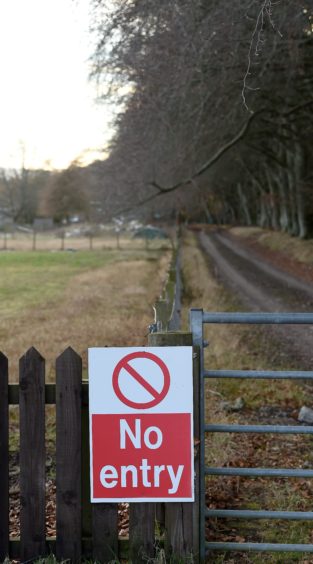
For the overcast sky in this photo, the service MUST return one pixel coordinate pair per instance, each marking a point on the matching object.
(46, 102)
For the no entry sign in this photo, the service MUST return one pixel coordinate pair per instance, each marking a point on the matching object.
(141, 424)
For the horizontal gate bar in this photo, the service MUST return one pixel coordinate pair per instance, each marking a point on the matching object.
(258, 318)
(261, 514)
(278, 472)
(280, 429)
(258, 374)
(259, 546)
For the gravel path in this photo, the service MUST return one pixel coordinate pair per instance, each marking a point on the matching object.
(260, 286)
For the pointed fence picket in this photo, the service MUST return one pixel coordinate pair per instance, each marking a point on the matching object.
(32, 454)
(68, 455)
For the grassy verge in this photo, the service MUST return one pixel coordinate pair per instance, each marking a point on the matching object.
(278, 241)
(243, 347)
(34, 279)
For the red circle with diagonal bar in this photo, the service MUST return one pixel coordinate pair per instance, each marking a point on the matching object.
(140, 379)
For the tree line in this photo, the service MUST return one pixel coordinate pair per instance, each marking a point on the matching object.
(215, 109)
(213, 118)
(26, 194)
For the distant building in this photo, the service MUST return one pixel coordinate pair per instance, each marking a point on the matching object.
(5, 220)
(43, 223)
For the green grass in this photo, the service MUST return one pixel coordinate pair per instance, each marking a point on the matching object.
(31, 279)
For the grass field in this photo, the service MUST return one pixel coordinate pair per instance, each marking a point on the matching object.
(51, 300)
(68, 238)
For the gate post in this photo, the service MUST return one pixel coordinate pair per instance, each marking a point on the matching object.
(181, 518)
(196, 326)
(196, 433)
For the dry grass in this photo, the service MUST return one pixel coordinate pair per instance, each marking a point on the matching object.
(108, 303)
(293, 247)
(246, 231)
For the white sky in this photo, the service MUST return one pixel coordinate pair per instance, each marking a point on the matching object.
(46, 101)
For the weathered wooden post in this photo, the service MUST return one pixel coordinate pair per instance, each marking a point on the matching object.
(141, 532)
(181, 519)
(62, 239)
(118, 234)
(34, 240)
(4, 458)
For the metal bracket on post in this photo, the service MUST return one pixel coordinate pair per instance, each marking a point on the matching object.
(162, 313)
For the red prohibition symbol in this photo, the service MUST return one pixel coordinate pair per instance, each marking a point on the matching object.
(124, 364)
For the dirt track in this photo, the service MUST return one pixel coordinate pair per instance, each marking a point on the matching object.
(259, 286)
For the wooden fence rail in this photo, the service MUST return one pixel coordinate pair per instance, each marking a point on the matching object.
(83, 530)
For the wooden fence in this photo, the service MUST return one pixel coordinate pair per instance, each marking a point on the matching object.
(83, 530)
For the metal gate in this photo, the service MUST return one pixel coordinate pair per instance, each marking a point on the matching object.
(197, 318)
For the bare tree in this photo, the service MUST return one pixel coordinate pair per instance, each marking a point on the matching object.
(208, 81)
(66, 195)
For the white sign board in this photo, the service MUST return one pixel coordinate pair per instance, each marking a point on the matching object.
(141, 424)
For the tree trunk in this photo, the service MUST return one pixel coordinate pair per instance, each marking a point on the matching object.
(298, 162)
(272, 199)
(294, 227)
(243, 204)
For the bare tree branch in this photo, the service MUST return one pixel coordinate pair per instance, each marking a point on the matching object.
(219, 153)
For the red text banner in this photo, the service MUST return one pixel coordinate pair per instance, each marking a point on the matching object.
(142, 456)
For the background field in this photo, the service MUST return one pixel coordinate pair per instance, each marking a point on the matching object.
(52, 300)
(81, 237)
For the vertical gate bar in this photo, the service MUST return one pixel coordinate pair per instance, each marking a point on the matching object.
(68, 455)
(4, 458)
(32, 455)
(178, 515)
(196, 326)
